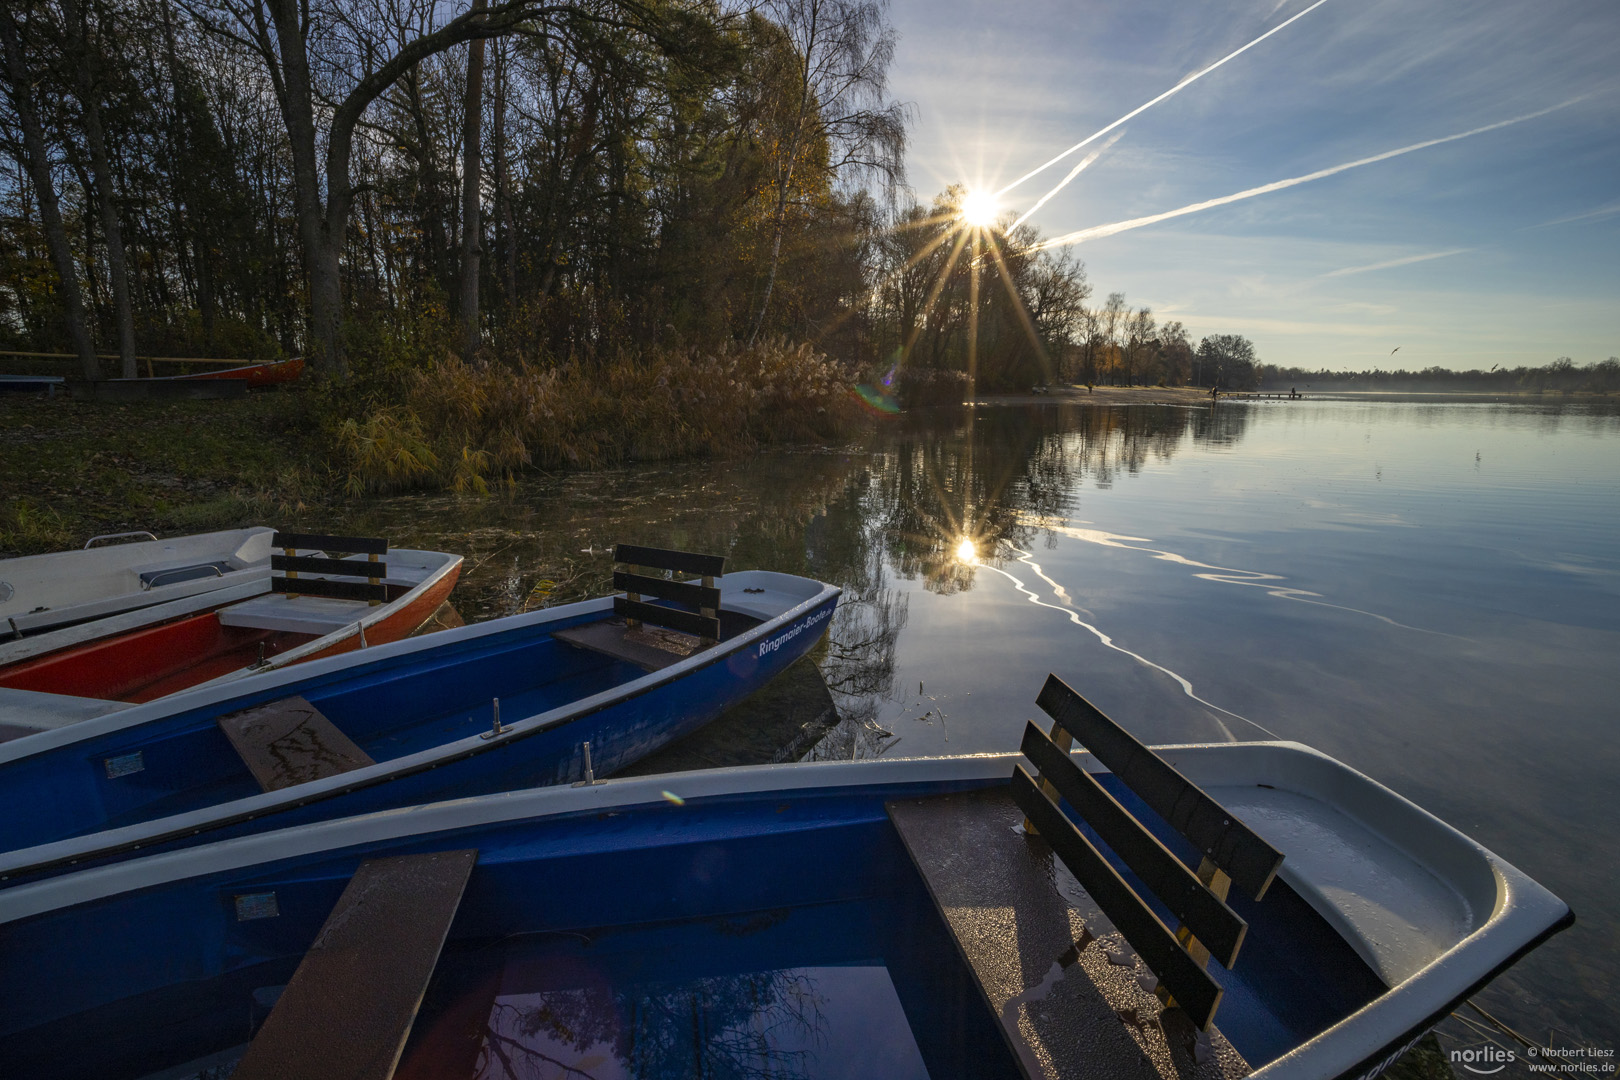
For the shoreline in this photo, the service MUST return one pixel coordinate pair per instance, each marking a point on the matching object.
(1192, 395)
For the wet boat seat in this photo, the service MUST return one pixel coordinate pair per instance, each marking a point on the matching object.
(321, 603)
(1233, 853)
(350, 1006)
(654, 636)
(289, 742)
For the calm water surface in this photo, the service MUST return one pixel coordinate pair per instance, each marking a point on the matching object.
(1426, 591)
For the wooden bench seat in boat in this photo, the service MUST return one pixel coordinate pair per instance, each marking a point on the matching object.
(320, 604)
(350, 1005)
(654, 636)
(988, 860)
(290, 742)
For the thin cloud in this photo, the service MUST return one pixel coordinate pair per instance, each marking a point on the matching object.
(1392, 263)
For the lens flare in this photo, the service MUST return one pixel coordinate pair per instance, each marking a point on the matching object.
(967, 551)
(979, 208)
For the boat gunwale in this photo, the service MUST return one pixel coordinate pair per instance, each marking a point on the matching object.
(58, 854)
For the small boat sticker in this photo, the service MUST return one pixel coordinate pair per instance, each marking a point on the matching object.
(124, 765)
(768, 647)
(257, 905)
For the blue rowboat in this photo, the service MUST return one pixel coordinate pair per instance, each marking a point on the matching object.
(490, 707)
(788, 920)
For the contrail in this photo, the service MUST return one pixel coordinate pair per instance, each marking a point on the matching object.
(1097, 232)
(1188, 81)
(1085, 162)
(1392, 263)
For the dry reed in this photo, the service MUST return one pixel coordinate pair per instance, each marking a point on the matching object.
(463, 426)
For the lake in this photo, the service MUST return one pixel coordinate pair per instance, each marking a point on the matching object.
(1425, 590)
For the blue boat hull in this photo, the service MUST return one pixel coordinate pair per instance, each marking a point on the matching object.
(716, 898)
(175, 779)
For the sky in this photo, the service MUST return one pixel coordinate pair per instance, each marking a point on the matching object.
(1499, 248)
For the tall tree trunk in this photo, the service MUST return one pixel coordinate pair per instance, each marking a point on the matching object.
(506, 251)
(471, 192)
(50, 211)
(784, 184)
(295, 95)
(87, 68)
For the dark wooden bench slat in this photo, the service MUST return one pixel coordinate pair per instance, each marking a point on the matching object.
(687, 622)
(350, 1005)
(1219, 928)
(1193, 988)
(290, 742)
(649, 651)
(314, 564)
(1232, 846)
(682, 592)
(331, 590)
(362, 545)
(684, 562)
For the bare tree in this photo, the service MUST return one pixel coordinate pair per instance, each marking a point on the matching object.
(280, 32)
(1178, 353)
(1111, 325)
(85, 58)
(843, 48)
(472, 246)
(1140, 342)
(20, 86)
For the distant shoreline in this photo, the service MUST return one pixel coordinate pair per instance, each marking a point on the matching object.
(1193, 395)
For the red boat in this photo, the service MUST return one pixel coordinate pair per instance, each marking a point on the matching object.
(249, 629)
(269, 373)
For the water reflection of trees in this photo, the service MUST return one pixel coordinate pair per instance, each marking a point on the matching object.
(862, 518)
(983, 477)
(730, 1027)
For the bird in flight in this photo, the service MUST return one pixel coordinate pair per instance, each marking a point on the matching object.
(1395, 350)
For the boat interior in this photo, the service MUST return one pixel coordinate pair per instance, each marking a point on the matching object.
(63, 589)
(388, 709)
(786, 934)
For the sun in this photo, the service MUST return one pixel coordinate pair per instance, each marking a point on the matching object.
(979, 208)
(967, 551)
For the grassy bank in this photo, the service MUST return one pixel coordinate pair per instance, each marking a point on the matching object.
(73, 469)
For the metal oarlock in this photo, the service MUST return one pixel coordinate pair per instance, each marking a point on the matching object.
(590, 773)
(496, 729)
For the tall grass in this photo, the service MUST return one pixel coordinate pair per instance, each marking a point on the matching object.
(464, 426)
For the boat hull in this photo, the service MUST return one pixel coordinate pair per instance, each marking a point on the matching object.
(254, 375)
(48, 601)
(724, 856)
(190, 783)
(200, 646)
